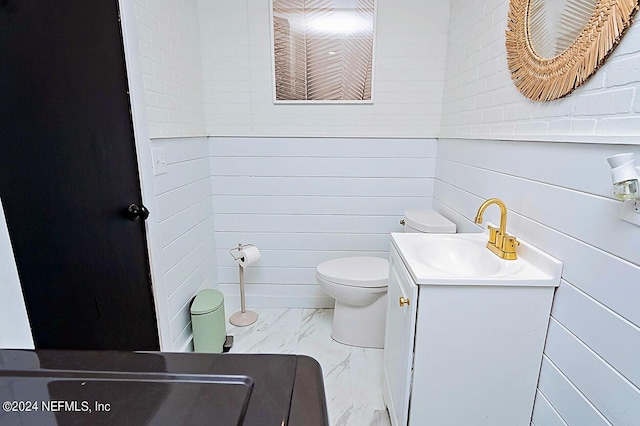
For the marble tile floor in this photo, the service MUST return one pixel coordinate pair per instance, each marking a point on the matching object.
(352, 376)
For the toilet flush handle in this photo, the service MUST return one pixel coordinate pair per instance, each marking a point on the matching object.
(404, 301)
(402, 222)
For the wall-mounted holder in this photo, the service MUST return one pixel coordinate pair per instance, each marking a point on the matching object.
(625, 176)
(244, 255)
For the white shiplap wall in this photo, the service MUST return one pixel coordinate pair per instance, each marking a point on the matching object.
(410, 51)
(185, 229)
(303, 201)
(559, 199)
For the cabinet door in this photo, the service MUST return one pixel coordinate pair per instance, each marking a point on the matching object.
(399, 339)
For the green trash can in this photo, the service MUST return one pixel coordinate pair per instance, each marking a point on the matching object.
(208, 321)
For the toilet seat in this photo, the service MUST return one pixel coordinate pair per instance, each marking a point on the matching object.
(356, 271)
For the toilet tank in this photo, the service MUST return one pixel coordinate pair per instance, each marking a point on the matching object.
(427, 221)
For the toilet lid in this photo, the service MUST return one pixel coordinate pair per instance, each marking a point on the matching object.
(359, 271)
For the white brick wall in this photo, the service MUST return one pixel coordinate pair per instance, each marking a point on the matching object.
(408, 73)
(480, 100)
(170, 56)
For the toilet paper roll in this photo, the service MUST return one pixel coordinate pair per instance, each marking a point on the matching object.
(248, 256)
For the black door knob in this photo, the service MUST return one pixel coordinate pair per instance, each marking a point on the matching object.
(137, 212)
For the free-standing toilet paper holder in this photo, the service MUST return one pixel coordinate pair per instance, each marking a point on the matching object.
(242, 318)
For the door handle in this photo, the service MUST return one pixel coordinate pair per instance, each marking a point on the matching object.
(137, 212)
(404, 301)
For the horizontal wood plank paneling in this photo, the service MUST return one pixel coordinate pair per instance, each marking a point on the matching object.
(313, 242)
(178, 150)
(581, 167)
(568, 401)
(616, 398)
(544, 414)
(303, 201)
(298, 258)
(324, 147)
(601, 329)
(281, 275)
(323, 166)
(589, 218)
(559, 200)
(273, 295)
(181, 174)
(175, 226)
(310, 223)
(186, 228)
(323, 186)
(180, 323)
(302, 205)
(204, 276)
(177, 275)
(184, 244)
(619, 294)
(176, 200)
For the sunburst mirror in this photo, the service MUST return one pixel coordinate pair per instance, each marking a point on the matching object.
(553, 46)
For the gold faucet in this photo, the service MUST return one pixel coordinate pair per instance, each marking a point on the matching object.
(500, 243)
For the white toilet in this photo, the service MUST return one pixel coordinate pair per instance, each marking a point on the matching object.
(359, 285)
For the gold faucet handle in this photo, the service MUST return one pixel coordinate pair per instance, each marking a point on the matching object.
(509, 247)
(493, 234)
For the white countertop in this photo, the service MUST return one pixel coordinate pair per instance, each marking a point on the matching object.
(532, 268)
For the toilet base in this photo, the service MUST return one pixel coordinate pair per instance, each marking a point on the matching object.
(361, 326)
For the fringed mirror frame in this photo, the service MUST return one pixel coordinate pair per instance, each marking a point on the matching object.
(545, 79)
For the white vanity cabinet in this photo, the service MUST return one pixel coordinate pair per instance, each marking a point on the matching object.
(399, 338)
(460, 354)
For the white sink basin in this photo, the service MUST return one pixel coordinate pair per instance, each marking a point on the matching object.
(464, 259)
(461, 255)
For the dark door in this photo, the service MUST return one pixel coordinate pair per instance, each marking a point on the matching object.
(68, 171)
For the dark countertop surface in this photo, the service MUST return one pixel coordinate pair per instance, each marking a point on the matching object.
(49, 387)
